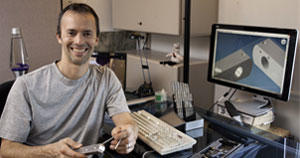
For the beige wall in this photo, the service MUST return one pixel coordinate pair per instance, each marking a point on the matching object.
(37, 19)
(103, 9)
(275, 13)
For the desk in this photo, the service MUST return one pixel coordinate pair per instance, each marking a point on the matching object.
(219, 127)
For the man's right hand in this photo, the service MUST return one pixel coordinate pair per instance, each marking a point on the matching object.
(61, 149)
(65, 148)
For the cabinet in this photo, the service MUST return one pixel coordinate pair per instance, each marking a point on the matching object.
(162, 75)
(163, 16)
(102, 8)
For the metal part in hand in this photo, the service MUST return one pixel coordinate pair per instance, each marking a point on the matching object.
(94, 149)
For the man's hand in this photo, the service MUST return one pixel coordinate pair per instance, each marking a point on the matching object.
(124, 138)
(61, 149)
(64, 148)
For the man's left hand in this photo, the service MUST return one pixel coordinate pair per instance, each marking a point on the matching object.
(124, 138)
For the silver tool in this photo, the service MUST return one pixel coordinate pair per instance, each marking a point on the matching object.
(108, 140)
(93, 149)
(118, 144)
(120, 140)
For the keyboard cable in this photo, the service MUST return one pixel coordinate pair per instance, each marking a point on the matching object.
(147, 152)
(220, 99)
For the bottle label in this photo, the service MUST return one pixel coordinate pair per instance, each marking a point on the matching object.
(20, 69)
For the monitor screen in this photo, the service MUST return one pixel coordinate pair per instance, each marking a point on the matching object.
(254, 59)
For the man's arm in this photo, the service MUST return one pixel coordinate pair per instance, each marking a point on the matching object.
(126, 131)
(59, 149)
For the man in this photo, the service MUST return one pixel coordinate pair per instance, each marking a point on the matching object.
(58, 108)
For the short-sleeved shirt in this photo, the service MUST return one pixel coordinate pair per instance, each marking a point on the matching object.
(44, 106)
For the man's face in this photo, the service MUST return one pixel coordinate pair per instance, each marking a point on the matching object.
(78, 37)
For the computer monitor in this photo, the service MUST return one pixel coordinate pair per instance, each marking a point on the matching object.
(254, 59)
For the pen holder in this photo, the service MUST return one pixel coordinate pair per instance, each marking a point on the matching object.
(186, 113)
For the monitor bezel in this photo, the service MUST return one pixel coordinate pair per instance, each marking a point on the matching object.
(293, 33)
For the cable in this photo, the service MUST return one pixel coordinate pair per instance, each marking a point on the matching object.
(145, 153)
(220, 99)
(232, 94)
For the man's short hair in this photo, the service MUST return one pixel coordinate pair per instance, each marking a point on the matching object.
(79, 8)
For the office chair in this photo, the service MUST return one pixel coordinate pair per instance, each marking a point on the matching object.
(4, 90)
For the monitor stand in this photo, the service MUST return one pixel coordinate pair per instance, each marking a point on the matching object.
(258, 105)
(260, 101)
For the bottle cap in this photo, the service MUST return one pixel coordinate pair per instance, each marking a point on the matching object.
(15, 30)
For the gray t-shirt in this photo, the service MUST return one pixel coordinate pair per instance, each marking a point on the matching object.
(44, 106)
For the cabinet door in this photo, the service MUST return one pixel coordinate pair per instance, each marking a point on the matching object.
(101, 7)
(203, 14)
(157, 16)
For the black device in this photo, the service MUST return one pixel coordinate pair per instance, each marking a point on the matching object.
(145, 90)
(231, 109)
(254, 59)
(233, 112)
(219, 149)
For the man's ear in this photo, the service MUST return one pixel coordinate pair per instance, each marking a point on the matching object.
(58, 37)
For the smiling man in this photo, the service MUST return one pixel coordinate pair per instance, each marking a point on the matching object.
(60, 107)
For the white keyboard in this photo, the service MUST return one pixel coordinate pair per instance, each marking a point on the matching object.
(159, 135)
